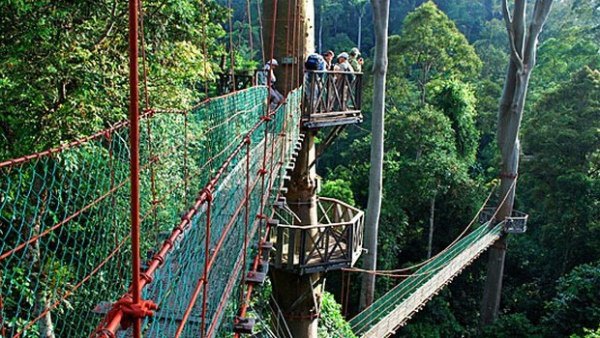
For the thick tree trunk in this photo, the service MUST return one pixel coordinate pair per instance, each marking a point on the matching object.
(299, 296)
(523, 44)
(381, 10)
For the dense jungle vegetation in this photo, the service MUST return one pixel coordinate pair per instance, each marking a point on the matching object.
(63, 75)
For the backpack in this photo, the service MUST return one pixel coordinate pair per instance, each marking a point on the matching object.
(314, 62)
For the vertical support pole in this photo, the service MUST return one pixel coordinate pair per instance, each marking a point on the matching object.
(206, 262)
(134, 141)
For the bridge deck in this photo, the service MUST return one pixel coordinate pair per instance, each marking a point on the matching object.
(393, 309)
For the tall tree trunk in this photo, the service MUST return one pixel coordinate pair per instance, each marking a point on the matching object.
(42, 302)
(381, 11)
(523, 44)
(359, 31)
(320, 50)
(431, 224)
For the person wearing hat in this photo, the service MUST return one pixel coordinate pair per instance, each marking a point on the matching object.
(267, 78)
(328, 57)
(353, 60)
(343, 80)
(343, 65)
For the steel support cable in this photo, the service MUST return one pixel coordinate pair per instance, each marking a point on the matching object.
(83, 194)
(288, 85)
(154, 229)
(202, 283)
(257, 227)
(294, 104)
(112, 323)
(368, 316)
(246, 217)
(479, 233)
(389, 273)
(68, 293)
(214, 253)
(209, 261)
(280, 315)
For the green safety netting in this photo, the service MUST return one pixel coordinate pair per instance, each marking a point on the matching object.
(64, 214)
(372, 315)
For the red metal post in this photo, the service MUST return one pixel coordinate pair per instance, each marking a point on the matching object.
(206, 267)
(134, 139)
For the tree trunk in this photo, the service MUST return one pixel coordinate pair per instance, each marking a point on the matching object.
(359, 31)
(42, 303)
(299, 296)
(523, 44)
(431, 224)
(381, 10)
(320, 50)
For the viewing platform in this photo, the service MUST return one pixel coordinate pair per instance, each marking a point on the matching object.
(332, 98)
(335, 243)
(515, 224)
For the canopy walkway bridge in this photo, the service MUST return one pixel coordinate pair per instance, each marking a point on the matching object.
(393, 309)
(213, 213)
(214, 220)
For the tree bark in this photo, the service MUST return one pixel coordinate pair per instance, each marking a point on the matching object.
(358, 43)
(431, 224)
(320, 50)
(381, 10)
(523, 44)
(42, 302)
(299, 296)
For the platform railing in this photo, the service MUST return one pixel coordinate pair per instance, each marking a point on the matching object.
(332, 98)
(515, 224)
(334, 243)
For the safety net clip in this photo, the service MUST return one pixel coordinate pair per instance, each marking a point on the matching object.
(266, 118)
(131, 311)
(208, 192)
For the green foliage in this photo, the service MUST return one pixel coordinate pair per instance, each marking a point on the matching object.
(577, 303)
(332, 324)
(588, 334)
(433, 48)
(436, 320)
(562, 182)
(338, 189)
(64, 65)
(457, 101)
(514, 325)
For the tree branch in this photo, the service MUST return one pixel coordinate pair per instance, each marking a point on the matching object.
(540, 14)
(514, 53)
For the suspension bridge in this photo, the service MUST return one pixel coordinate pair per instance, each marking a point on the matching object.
(212, 200)
(227, 198)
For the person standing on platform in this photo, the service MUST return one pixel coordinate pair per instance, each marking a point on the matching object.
(353, 60)
(267, 78)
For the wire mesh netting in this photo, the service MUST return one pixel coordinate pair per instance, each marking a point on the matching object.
(64, 213)
(383, 306)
